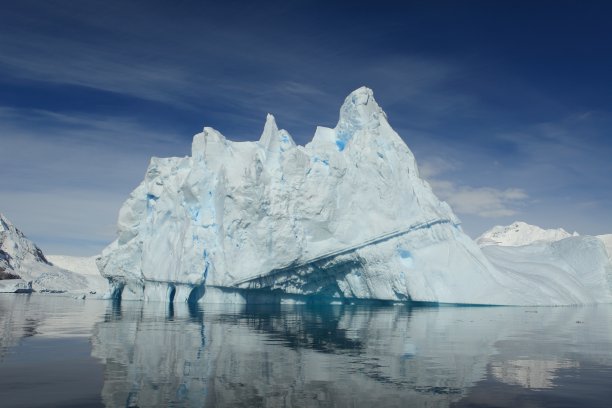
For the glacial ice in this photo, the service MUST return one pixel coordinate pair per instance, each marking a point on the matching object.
(343, 218)
(572, 266)
(15, 286)
(607, 240)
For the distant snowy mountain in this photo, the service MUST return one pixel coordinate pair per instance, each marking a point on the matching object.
(84, 265)
(16, 249)
(21, 258)
(343, 218)
(85, 268)
(520, 233)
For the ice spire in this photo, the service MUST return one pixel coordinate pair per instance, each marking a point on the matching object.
(273, 139)
(359, 111)
(269, 133)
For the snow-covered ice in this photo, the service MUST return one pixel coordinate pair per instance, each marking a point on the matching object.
(344, 217)
(15, 286)
(520, 233)
(16, 248)
(570, 268)
(573, 270)
(607, 240)
(84, 266)
(21, 257)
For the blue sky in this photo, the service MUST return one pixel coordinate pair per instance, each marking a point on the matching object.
(506, 105)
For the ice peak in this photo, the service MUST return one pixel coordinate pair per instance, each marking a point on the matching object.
(7, 225)
(270, 120)
(359, 111)
(361, 91)
(272, 137)
(360, 107)
(269, 132)
(201, 141)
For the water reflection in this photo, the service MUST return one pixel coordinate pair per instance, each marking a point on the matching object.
(281, 356)
(15, 324)
(338, 355)
(532, 374)
(151, 359)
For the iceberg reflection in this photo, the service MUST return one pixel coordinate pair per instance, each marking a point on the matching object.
(336, 355)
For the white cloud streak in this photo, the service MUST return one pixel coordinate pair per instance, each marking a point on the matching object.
(64, 176)
(487, 202)
(60, 170)
(484, 202)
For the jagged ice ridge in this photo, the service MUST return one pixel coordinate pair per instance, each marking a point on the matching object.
(343, 218)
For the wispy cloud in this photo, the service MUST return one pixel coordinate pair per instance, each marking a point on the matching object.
(542, 173)
(64, 176)
(144, 77)
(488, 202)
(483, 201)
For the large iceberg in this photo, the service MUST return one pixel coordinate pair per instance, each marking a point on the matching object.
(343, 218)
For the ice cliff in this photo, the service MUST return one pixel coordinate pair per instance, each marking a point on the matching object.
(344, 217)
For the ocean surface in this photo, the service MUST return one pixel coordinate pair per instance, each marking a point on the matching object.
(62, 352)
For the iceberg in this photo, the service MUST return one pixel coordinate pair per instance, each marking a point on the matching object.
(342, 219)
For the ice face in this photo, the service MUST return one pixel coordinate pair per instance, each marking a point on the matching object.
(573, 270)
(344, 217)
(607, 240)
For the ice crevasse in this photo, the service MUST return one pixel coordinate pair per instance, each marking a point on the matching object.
(343, 218)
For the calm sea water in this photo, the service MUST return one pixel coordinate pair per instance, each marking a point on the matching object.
(63, 352)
